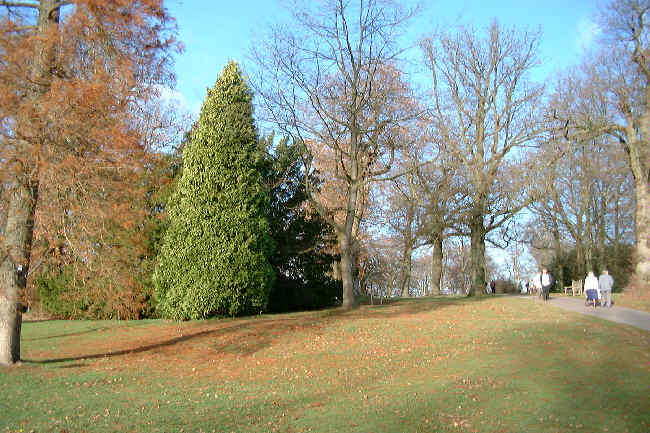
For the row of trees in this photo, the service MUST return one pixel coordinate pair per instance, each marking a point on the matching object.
(92, 162)
(485, 143)
(93, 190)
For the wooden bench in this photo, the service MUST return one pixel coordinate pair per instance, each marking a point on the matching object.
(575, 287)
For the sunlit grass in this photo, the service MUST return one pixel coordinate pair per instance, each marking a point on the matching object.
(427, 365)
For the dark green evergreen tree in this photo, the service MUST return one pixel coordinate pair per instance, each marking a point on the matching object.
(214, 258)
(304, 242)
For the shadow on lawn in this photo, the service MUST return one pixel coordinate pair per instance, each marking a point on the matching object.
(144, 348)
(71, 334)
(258, 333)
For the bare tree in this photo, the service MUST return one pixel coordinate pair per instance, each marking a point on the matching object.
(330, 80)
(402, 218)
(487, 114)
(618, 79)
(586, 202)
(441, 195)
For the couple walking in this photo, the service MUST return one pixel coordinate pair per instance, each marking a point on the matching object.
(543, 282)
(599, 288)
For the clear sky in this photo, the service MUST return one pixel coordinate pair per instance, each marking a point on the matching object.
(215, 31)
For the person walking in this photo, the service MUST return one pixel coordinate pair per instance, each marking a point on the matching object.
(591, 288)
(537, 284)
(546, 281)
(605, 284)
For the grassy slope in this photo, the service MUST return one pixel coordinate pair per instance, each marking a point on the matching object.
(428, 365)
(633, 301)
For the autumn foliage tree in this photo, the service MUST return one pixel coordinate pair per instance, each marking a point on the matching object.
(74, 76)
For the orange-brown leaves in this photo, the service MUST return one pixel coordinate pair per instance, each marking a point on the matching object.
(72, 93)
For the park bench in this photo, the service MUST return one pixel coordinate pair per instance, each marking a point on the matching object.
(575, 287)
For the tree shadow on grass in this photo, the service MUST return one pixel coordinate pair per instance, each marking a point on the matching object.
(70, 334)
(140, 349)
(260, 332)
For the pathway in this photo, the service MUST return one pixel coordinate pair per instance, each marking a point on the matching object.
(628, 316)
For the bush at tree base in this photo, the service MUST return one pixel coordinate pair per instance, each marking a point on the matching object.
(59, 295)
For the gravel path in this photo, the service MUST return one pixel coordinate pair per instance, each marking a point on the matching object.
(628, 316)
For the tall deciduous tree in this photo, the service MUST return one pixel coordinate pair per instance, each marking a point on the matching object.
(485, 111)
(214, 259)
(330, 80)
(72, 74)
(609, 95)
(440, 192)
(619, 79)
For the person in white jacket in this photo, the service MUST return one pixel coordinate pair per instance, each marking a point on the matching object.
(537, 283)
(591, 287)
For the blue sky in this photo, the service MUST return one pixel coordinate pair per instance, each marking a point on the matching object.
(215, 31)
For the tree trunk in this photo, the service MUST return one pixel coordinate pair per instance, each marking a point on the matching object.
(636, 150)
(436, 264)
(407, 252)
(14, 269)
(405, 277)
(559, 256)
(346, 245)
(478, 255)
(19, 227)
(347, 274)
(580, 259)
(642, 214)
(602, 235)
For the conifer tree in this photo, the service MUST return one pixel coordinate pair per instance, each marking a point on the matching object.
(214, 258)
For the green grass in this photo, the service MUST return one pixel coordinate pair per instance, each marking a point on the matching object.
(631, 300)
(428, 365)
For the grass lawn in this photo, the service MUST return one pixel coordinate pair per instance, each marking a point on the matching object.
(499, 364)
(631, 301)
